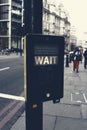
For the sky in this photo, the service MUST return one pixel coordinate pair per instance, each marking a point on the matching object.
(78, 14)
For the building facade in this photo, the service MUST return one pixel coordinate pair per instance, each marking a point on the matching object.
(56, 21)
(73, 38)
(10, 23)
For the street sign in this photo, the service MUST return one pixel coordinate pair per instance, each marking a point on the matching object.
(44, 67)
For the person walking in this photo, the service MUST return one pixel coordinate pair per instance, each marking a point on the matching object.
(85, 58)
(76, 59)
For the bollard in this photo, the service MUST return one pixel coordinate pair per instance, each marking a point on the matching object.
(67, 60)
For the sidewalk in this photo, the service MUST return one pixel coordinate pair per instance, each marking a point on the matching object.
(71, 112)
(12, 55)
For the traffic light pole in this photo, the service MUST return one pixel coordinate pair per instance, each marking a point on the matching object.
(33, 24)
(33, 16)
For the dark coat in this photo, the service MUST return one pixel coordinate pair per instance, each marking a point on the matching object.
(77, 55)
(85, 55)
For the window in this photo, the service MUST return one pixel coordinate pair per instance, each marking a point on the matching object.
(4, 1)
(4, 28)
(4, 12)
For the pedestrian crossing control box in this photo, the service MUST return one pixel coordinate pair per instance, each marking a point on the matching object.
(44, 65)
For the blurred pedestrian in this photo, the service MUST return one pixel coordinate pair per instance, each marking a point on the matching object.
(85, 58)
(70, 56)
(76, 59)
(81, 50)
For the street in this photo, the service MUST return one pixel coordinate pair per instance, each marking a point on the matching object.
(11, 79)
(11, 84)
(70, 113)
(32, 97)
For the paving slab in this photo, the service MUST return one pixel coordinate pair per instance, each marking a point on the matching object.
(49, 122)
(63, 123)
(64, 110)
(84, 111)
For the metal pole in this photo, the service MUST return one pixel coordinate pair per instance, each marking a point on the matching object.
(33, 24)
(33, 16)
(67, 60)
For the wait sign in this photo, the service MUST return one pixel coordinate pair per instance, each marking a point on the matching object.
(46, 60)
(44, 67)
(46, 54)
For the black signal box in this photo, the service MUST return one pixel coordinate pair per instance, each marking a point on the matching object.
(44, 67)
